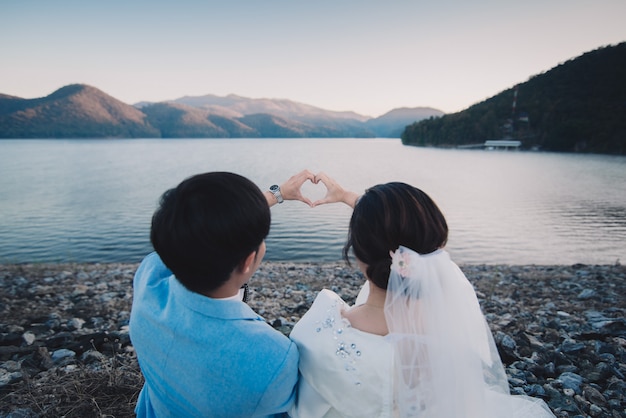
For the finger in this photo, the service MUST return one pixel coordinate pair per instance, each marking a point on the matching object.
(302, 198)
(320, 202)
(307, 175)
(303, 176)
(321, 176)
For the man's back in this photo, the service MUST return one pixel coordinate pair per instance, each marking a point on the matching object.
(203, 356)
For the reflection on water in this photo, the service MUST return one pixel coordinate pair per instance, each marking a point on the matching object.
(91, 200)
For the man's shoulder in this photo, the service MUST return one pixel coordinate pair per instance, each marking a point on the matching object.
(259, 330)
(151, 268)
(153, 262)
(271, 348)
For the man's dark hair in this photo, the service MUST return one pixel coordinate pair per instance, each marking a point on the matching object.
(207, 225)
(388, 216)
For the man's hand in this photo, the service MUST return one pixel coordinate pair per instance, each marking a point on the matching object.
(291, 188)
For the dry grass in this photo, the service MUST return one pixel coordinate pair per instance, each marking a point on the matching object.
(108, 389)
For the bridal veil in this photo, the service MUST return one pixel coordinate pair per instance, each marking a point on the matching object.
(446, 361)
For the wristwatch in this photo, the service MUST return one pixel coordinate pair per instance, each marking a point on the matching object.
(275, 189)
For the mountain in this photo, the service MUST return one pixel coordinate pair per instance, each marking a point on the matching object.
(577, 106)
(315, 121)
(176, 120)
(180, 121)
(278, 107)
(392, 123)
(288, 118)
(74, 111)
(81, 111)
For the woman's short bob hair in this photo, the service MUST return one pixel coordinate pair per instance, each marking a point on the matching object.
(207, 225)
(388, 216)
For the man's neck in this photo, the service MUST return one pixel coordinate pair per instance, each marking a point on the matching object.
(230, 289)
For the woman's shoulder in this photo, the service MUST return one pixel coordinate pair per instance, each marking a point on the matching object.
(324, 326)
(327, 295)
(325, 313)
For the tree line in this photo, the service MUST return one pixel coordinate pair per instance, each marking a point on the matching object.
(578, 106)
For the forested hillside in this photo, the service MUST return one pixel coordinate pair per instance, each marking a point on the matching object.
(578, 106)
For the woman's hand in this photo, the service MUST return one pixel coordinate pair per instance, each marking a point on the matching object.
(334, 192)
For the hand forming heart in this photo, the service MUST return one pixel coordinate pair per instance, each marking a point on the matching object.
(292, 189)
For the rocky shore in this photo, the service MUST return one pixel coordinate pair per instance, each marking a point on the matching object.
(65, 349)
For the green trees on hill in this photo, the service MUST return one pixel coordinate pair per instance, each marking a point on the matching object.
(578, 106)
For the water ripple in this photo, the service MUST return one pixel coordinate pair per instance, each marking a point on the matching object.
(93, 200)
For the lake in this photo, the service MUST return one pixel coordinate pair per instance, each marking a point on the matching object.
(92, 200)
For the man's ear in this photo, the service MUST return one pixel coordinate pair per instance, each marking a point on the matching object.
(245, 265)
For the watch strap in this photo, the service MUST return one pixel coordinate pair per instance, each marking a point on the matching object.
(275, 190)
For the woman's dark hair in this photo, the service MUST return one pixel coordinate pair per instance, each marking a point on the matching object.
(388, 216)
(207, 225)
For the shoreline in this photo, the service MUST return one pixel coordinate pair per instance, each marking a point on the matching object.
(560, 330)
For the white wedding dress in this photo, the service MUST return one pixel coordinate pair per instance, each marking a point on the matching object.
(438, 360)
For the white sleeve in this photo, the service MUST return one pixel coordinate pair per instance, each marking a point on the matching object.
(309, 403)
(363, 294)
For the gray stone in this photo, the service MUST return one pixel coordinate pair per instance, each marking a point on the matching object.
(587, 294)
(571, 381)
(570, 346)
(75, 324)
(29, 338)
(593, 395)
(58, 356)
(9, 378)
(595, 411)
(10, 366)
(22, 413)
(536, 390)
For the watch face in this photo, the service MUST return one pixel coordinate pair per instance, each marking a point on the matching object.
(275, 190)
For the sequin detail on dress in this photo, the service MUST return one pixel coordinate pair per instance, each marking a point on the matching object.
(338, 328)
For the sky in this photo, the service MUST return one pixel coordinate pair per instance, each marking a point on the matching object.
(366, 56)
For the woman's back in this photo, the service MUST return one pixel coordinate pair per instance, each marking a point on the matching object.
(451, 370)
(345, 372)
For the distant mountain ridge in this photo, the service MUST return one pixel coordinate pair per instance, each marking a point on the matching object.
(74, 111)
(278, 107)
(395, 121)
(82, 111)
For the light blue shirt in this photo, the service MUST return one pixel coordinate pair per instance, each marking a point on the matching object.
(204, 357)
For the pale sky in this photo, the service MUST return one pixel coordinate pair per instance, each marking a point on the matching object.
(368, 56)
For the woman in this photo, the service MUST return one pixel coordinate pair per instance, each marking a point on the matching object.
(416, 343)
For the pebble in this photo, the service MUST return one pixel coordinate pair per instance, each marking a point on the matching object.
(560, 330)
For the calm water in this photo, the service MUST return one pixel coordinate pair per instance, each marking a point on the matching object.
(91, 200)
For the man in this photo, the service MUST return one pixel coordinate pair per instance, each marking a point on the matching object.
(202, 350)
